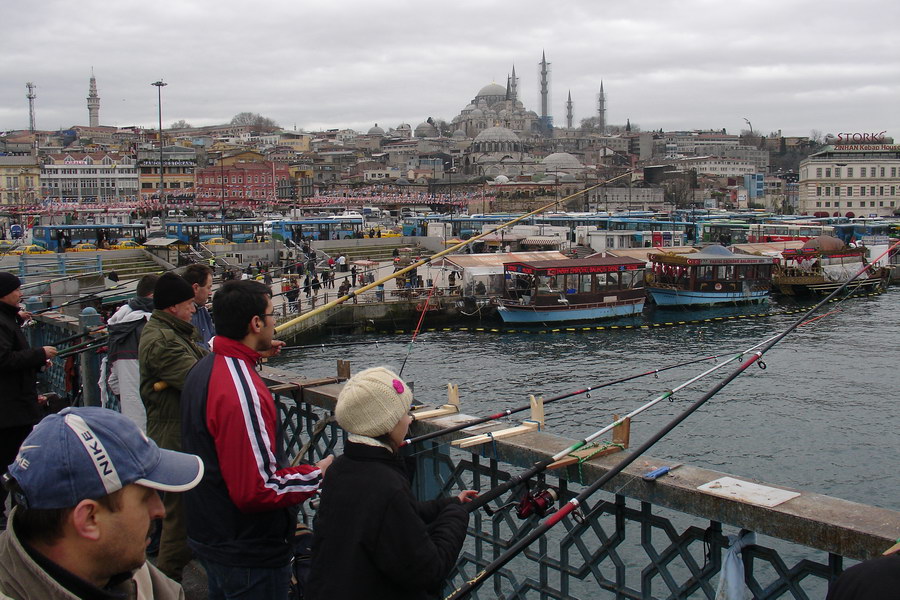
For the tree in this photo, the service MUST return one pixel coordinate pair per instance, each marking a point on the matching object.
(254, 120)
(180, 124)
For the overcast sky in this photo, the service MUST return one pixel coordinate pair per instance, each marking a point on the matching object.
(791, 65)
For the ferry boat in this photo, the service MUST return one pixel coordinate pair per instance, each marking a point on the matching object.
(714, 275)
(566, 290)
(824, 264)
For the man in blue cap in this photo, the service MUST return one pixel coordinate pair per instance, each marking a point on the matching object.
(86, 483)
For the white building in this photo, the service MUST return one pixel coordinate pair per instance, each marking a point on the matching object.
(853, 180)
(94, 177)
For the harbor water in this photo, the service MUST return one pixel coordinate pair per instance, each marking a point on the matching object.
(822, 417)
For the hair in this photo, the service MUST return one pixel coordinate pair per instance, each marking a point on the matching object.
(235, 305)
(197, 273)
(146, 284)
(45, 525)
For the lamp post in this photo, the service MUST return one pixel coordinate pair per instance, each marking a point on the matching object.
(159, 86)
(450, 172)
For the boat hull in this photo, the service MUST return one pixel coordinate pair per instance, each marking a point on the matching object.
(675, 297)
(593, 312)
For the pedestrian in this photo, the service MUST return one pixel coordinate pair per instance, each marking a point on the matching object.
(200, 277)
(241, 516)
(169, 347)
(125, 327)
(19, 364)
(372, 538)
(873, 579)
(80, 530)
(353, 271)
(342, 263)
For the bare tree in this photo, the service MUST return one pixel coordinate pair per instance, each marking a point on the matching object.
(253, 119)
(180, 124)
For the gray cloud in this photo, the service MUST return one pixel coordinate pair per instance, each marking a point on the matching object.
(794, 66)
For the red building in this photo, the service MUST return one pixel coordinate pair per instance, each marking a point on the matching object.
(242, 183)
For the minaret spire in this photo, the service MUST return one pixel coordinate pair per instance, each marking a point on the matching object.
(546, 119)
(93, 103)
(570, 115)
(601, 109)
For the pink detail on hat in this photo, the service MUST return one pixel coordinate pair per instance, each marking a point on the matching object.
(398, 385)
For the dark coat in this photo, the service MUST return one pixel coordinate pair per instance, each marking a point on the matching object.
(19, 365)
(373, 539)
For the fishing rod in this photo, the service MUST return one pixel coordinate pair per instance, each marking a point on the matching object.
(573, 504)
(511, 411)
(74, 337)
(85, 298)
(416, 332)
(429, 259)
(84, 347)
(542, 465)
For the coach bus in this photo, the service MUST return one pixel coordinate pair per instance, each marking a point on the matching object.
(53, 237)
(234, 231)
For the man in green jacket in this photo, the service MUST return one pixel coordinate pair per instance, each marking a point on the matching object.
(169, 348)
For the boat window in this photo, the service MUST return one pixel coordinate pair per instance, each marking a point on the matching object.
(585, 283)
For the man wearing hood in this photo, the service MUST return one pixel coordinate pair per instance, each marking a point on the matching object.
(125, 328)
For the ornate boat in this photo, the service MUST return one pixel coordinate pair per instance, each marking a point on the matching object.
(824, 264)
(714, 275)
(584, 289)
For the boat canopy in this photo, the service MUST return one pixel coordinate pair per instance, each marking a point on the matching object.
(575, 266)
(712, 255)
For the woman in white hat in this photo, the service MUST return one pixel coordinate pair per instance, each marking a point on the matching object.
(372, 538)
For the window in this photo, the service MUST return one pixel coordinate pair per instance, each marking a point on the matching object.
(827, 204)
(837, 172)
(827, 172)
(828, 191)
(818, 171)
(862, 190)
(872, 190)
(818, 191)
(818, 205)
(872, 172)
(872, 204)
(849, 191)
(849, 205)
(893, 171)
(837, 191)
(882, 171)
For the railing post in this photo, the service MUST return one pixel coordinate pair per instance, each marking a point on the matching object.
(89, 365)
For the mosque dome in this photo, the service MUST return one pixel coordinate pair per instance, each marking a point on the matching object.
(501, 179)
(503, 114)
(561, 161)
(425, 129)
(459, 134)
(492, 89)
(497, 134)
(376, 130)
(476, 113)
(470, 107)
(404, 127)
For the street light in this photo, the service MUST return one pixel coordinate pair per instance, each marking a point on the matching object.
(159, 86)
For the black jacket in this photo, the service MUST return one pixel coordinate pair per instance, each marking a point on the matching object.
(373, 539)
(19, 365)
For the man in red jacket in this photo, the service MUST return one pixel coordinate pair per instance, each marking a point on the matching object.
(241, 517)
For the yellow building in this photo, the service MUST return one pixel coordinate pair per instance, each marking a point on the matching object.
(20, 180)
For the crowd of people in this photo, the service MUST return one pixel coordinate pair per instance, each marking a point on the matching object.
(197, 448)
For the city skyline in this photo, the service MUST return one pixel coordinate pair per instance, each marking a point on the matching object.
(796, 67)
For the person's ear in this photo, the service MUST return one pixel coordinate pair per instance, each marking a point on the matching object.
(85, 519)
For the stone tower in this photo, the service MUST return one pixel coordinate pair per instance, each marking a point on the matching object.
(544, 73)
(570, 115)
(93, 103)
(601, 110)
(512, 86)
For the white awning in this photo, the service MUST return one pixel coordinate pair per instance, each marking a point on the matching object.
(542, 240)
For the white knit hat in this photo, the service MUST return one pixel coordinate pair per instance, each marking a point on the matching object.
(372, 402)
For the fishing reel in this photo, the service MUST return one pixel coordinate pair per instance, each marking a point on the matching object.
(541, 501)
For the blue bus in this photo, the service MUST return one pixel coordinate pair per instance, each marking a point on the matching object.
(233, 231)
(327, 228)
(52, 237)
(852, 232)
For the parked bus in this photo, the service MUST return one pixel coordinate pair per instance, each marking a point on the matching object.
(782, 232)
(234, 231)
(53, 237)
(852, 232)
(330, 228)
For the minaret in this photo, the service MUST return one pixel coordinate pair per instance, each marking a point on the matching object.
(570, 116)
(93, 103)
(601, 110)
(513, 86)
(546, 119)
(31, 96)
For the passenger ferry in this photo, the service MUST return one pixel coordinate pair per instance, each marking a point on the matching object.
(584, 289)
(715, 275)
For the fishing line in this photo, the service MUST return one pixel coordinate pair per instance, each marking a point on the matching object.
(756, 354)
(416, 332)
